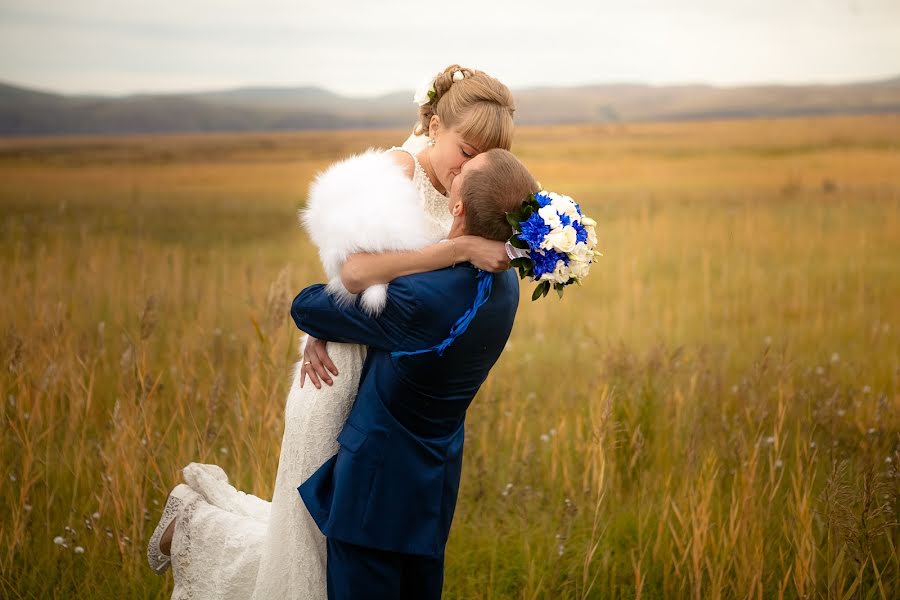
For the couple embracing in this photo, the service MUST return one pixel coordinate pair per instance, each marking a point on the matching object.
(418, 308)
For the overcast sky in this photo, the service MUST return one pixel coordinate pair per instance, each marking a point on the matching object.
(369, 47)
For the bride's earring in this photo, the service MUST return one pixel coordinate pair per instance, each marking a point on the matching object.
(430, 142)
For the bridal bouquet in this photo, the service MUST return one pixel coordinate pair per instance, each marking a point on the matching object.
(552, 243)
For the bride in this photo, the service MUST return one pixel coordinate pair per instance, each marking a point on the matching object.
(374, 217)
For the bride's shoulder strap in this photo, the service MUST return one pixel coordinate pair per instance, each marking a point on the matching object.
(403, 159)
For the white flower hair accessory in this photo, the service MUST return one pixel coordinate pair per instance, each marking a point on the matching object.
(458, 75)
(426, 92)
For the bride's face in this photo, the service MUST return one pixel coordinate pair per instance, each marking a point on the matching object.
(456, 190)
(448, 155)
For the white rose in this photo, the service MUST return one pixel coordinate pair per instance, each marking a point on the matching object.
(421, 96)
(551, 219)
(581, 252)
(564, 206)
(579, 269)
(547, 243)
(561, 273)
(588, 222)
(562, 239)
(591, 235)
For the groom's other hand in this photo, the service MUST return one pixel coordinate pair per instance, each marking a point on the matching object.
(317, 363)
(487, 255)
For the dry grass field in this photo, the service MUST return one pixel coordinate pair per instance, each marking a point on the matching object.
(714, 414)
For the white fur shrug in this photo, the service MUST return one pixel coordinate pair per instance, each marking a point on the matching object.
(364, 203)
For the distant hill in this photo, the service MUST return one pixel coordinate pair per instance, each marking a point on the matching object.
(31, 112)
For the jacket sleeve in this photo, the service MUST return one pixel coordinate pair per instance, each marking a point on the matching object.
(326, 317)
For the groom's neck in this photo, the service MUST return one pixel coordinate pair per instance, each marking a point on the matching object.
(457, 229)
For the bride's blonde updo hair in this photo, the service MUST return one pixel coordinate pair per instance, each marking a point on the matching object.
(478, 107)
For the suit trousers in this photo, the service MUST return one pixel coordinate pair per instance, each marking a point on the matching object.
(358, 573)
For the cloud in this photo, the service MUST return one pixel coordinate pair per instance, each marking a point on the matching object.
(372, 48)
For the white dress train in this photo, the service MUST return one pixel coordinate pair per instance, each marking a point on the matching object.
(232, 545)
(229, 544)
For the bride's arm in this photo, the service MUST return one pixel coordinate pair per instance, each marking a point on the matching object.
(363, 270)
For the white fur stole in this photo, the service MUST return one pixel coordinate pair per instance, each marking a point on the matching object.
(364, 203)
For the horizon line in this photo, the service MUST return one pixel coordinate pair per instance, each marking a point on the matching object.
(527, 87)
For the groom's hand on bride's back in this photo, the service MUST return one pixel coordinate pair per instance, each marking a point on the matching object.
(487, 255)
(317, 363)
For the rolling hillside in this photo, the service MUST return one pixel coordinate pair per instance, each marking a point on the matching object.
(30, 112)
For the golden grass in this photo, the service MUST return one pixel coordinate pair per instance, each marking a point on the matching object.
(714, 414)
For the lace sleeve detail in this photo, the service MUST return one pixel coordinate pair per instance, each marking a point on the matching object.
(435, 204)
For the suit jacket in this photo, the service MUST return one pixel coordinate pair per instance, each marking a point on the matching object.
(393, 483)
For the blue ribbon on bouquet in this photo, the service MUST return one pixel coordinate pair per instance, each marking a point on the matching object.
(485, 283)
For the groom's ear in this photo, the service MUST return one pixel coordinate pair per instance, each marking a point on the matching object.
(458, 209)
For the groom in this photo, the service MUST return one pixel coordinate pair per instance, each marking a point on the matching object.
(386, 500)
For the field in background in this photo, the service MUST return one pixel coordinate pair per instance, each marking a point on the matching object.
(714, 414)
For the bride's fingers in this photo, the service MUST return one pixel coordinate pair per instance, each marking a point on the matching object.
(312, 376)
(329, 364)
(322, 354)
(318, 366)
(309, 361)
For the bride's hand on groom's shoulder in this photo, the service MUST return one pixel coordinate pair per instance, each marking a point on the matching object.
(317, 364)
(485, 254)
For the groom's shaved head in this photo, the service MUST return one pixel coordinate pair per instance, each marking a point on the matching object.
(488, 192)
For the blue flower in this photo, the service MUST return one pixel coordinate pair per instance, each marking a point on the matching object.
(542, 199)
(533, 231)
(581, 234)
(545, 261)
(565, 220)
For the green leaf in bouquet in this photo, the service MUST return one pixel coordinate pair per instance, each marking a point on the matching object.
(546, 288)
(559, 289)
(517, 242)
(539, 291)
(513, 220)
(519, 262)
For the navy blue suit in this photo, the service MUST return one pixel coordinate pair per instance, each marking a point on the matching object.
(387, 498)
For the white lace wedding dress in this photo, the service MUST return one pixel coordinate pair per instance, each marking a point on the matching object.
(229, 544)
